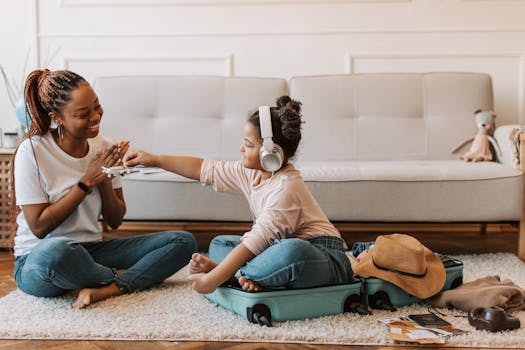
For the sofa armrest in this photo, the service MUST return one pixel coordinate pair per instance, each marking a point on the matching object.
(508, 138)
(518, 138)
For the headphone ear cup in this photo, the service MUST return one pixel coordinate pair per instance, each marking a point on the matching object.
(271, 160)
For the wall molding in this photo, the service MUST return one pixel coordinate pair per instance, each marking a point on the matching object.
(499, 1)
(175, 3)
(166, 3)
(227, 60)
(350, 58)
(400, 31)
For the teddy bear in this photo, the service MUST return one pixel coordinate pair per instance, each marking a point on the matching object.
(481, 150)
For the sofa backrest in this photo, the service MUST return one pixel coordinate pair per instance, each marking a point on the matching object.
(187, 115)
(389, 115)
(347, 117)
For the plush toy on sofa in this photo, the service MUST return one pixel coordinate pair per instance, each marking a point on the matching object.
(481, 149)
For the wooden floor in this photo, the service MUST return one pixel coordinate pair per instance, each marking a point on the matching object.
(448, 239)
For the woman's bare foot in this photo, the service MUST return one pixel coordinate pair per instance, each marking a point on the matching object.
(89, 296)
(200, 263)
(248, 285)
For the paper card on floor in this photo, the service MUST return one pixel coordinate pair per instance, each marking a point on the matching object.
(389, 320)
(421, 334)
(399, 332)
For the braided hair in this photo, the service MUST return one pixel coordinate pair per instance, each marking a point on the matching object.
(286, 124)
(45, 92)
(48, 92)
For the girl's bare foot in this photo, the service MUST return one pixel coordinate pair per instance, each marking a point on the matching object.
(200, 263)
(248, 285)
(89, 296)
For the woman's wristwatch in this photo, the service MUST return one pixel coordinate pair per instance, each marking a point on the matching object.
(84, 187)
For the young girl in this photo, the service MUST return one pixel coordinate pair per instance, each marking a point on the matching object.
(62, 192)
(292, 243)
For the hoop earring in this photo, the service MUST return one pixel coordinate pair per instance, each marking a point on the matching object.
(60, 134)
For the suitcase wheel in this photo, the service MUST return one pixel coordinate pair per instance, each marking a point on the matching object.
(353, 304)
(380, 300)
(259, 314)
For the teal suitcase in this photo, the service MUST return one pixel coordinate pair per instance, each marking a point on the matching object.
(264, 307)
(384, 295)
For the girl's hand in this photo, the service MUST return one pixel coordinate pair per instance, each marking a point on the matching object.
(200, 283)
(138, 157)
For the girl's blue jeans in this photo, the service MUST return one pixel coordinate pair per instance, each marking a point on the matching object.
(60, 264)
(291, 263)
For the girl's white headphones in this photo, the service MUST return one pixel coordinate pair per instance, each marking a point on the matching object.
(271, 154)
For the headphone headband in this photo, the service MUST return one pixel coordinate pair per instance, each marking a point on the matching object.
(265, 121)
(271, 155)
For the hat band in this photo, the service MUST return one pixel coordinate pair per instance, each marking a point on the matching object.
(399, 272)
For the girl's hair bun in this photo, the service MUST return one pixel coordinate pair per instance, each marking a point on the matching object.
(282, 101)
(286, 101)
(290, 124)
(289, 114)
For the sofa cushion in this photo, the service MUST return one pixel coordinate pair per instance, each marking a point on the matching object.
(350, 191)
(186, 115)
(402, 170)
(418, 191)
(401, 116)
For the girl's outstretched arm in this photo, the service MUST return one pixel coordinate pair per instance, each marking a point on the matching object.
(189, 167)
(207, 282)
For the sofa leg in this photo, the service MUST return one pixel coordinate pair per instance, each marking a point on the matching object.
(483, 229)
(521, 240)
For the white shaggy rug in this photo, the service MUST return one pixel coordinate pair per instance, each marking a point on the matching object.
(172, 311)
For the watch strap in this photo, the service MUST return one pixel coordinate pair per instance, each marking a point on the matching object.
(84, 187)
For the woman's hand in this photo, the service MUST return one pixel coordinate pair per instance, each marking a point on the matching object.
(106, 157)
(138, 157)
(122, 149)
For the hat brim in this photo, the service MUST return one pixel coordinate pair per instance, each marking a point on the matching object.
(422, 287)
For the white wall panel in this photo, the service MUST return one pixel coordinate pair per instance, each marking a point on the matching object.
(504, 67)
(93, 66)
(272, 38)
(17, 37)
(266, 16)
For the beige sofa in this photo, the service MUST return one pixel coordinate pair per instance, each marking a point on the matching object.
(376, 147)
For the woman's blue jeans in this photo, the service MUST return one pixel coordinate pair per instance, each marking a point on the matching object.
(291, 263)
(60, 264)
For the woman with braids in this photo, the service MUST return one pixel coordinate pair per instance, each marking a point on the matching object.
(62, 192)
(291, 244)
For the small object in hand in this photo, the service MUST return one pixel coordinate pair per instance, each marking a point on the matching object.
(118, 170)
(493, 319)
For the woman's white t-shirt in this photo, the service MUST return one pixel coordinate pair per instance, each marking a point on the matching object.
(59, 172)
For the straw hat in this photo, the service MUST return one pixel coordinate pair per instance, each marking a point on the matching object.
(402, 260)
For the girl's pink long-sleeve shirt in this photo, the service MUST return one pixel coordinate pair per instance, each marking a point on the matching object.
(282, 205)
